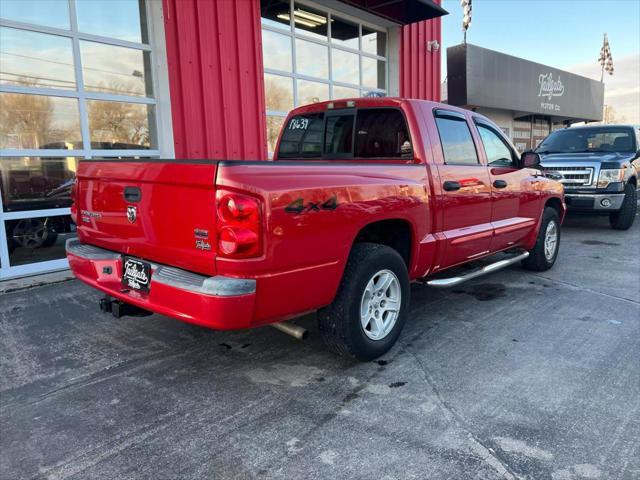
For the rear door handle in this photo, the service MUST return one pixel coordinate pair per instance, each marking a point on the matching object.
(451, 186)
(132, 194)
(499, 184)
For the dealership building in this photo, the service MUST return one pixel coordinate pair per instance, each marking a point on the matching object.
(527, 100)
(82, 79)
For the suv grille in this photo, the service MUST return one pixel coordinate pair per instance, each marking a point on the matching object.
(573, 176)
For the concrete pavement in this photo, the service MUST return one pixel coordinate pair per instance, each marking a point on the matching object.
(515, 375)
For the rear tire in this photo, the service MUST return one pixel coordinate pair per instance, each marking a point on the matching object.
(361, 322)
(544, 253)
(623, 219)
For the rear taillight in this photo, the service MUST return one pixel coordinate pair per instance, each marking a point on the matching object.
(239, 228)
(73, 194)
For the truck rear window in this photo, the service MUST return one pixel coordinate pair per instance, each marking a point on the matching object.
(379, 133)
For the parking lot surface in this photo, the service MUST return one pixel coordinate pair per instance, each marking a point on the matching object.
(514, 375)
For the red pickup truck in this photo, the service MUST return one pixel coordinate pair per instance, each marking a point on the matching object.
(362, 197)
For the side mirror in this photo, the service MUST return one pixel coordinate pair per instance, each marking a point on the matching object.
(530, 159)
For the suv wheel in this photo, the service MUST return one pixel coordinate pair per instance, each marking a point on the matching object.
(544, 253)
(623, 219)
(370, 309)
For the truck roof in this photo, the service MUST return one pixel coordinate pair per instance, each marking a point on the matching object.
(370, 102)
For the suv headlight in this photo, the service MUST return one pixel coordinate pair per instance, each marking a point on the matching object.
(609, 176)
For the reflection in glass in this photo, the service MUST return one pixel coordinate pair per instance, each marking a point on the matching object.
(51, 13)
(310, 22)
(276, 51)
(312, 59)
(374, 42)
(31, 183)
(117, 70)
(373, 73)
(312, 92)
(274, 124)
(344, 33)
(120, 126)
(275, 13)
(345, 92)
(123, 19)
(345, 67)
(38, 239)
(38, 121)
(278, 92)
(33, 59)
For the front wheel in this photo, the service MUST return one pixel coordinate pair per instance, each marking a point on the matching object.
(544, 253)
(623, 219)
(370, 309)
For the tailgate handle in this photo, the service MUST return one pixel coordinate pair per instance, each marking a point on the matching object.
(132, 194)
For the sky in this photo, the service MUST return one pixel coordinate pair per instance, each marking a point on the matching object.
(565, 34)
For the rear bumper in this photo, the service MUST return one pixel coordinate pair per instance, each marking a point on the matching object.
(606, 202)
(221, 303)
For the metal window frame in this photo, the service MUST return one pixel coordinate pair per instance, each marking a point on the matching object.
(293, 36)
(160, 126)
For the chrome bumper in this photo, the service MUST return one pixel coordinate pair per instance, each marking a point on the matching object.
(218, 285)
(579, 200)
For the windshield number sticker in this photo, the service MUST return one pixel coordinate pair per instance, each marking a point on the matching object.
(299, 124)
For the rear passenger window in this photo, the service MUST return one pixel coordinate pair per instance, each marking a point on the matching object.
(302, 137)
(339, 135)
(457, 143)
(382, 133)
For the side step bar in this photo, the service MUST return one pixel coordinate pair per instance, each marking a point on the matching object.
(493, 267)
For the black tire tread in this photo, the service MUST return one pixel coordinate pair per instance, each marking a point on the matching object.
(623, 219)
(536, 261)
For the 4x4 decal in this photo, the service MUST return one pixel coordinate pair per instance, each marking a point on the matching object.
(298, 206)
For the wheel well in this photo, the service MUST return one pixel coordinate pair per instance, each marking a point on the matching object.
(556, 204)
(396, 234)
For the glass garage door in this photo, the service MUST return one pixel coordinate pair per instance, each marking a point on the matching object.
(75, 82)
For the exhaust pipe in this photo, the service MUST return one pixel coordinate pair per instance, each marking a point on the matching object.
(295, 331)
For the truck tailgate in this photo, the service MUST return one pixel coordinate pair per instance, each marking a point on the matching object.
(172, 222)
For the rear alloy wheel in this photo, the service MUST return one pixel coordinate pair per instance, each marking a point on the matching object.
(544, 253)
(623, 219)
(370, 308)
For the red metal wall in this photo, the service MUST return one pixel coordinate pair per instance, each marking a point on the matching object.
(214, 51)
(419, 68)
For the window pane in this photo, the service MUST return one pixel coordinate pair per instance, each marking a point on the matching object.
(339, 135)
(123, 19)
(38, 121)
(373, 73)
(51, 13)
(382, 133)
(457, 144)
(312, 59)
(345, 67)
(498, 154)
(302, 137)
(310, 22)
(117, 70)
(344, 33)
(35, 59)
(274, 125)
(374, 42)
(31, 183)
(275, 13)
(276, 51)
(278, 92)
(38, 239)
(312, 92)
(120, 126)
(345, 92)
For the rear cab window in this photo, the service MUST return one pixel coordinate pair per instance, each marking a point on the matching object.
(367, 134)
(458, 147)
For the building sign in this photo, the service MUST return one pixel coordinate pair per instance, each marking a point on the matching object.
(485, 78)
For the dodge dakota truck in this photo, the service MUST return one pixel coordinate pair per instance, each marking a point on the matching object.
(362, 197)
(599, 167)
